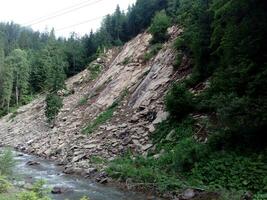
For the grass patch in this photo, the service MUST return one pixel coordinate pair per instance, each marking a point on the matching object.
(106, 115)
(143, 172)
(102, 118)
(97, 160)
(95, 70)
(8, 196)
(83, 100)
(126, 61)
(153, 50)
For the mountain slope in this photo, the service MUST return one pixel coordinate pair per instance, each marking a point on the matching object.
(130, 88)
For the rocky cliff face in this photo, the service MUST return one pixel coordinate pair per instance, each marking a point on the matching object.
(137, 86)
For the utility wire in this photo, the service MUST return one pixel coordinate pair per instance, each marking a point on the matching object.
(58, 11)
(64, 13)
(84, 22)
(80, 23)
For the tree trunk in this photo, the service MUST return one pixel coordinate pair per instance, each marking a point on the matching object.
(8, 105)
(17, 91)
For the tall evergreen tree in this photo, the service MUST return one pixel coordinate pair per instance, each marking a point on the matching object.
(18, 61)
(6, 80)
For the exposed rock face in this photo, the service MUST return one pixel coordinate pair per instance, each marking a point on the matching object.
(133, 121)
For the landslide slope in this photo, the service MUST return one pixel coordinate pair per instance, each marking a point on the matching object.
(124, 85)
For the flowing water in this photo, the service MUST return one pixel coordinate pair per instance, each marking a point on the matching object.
(77, 187)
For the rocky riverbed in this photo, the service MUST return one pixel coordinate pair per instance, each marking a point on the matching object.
(29, 169)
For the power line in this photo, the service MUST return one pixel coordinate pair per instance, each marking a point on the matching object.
(53, 13)
(64, 13)
(84, 22)
(80, 23)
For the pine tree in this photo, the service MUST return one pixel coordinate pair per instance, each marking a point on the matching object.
(18, 62)
(6, 80)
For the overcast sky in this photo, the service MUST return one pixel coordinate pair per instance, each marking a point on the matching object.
(87, 13)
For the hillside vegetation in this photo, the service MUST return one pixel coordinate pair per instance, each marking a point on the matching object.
(213, 140)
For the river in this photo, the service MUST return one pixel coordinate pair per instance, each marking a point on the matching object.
(77, 186)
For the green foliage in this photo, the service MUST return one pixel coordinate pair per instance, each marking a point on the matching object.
(97, 160)
(160, 172)
(170, 131)
(159, 26)
(232, 171)
(18, 61)
(27, 196)
(126, 61)
(37, 192)
(179, 101)
(101, 118)
(53, 106)
(4, 185)
(85, 198)
(231, 194)
(83, 100)
(95, 70)
(260, 197)
(39, 189)
(195, 16)
(6, 162)
(7, 196)
(13, 115)
(143, 171)
(153, 50)
(186, 153)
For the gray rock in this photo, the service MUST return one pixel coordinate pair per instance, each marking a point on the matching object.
(151, 128)
(161, 116)
(77, 158)
(32, 163)
(90, 146)
(123, 125)
(91, 171)
(137, 143)
(109, 128)
(146, 147)
(134, 119)
(188, 194)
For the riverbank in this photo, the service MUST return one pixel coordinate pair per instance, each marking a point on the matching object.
(29, 169)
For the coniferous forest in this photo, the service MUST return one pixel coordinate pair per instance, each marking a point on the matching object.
(226, 43)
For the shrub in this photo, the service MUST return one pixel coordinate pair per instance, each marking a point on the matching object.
(27, 196)
(95, 70)
(4, 185)
(179, 101)
(154, 49)
(53, 106)
(178, 60)
(38, 192)
(6, 162)
(83, 100)
(159, 26)
(39, 189)
(170, 131)
(102, 118)
(126, 61)
(143, 172)
(180, 44)
(260, 197)
(85, 198)
(232, 171)
(186, 153)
